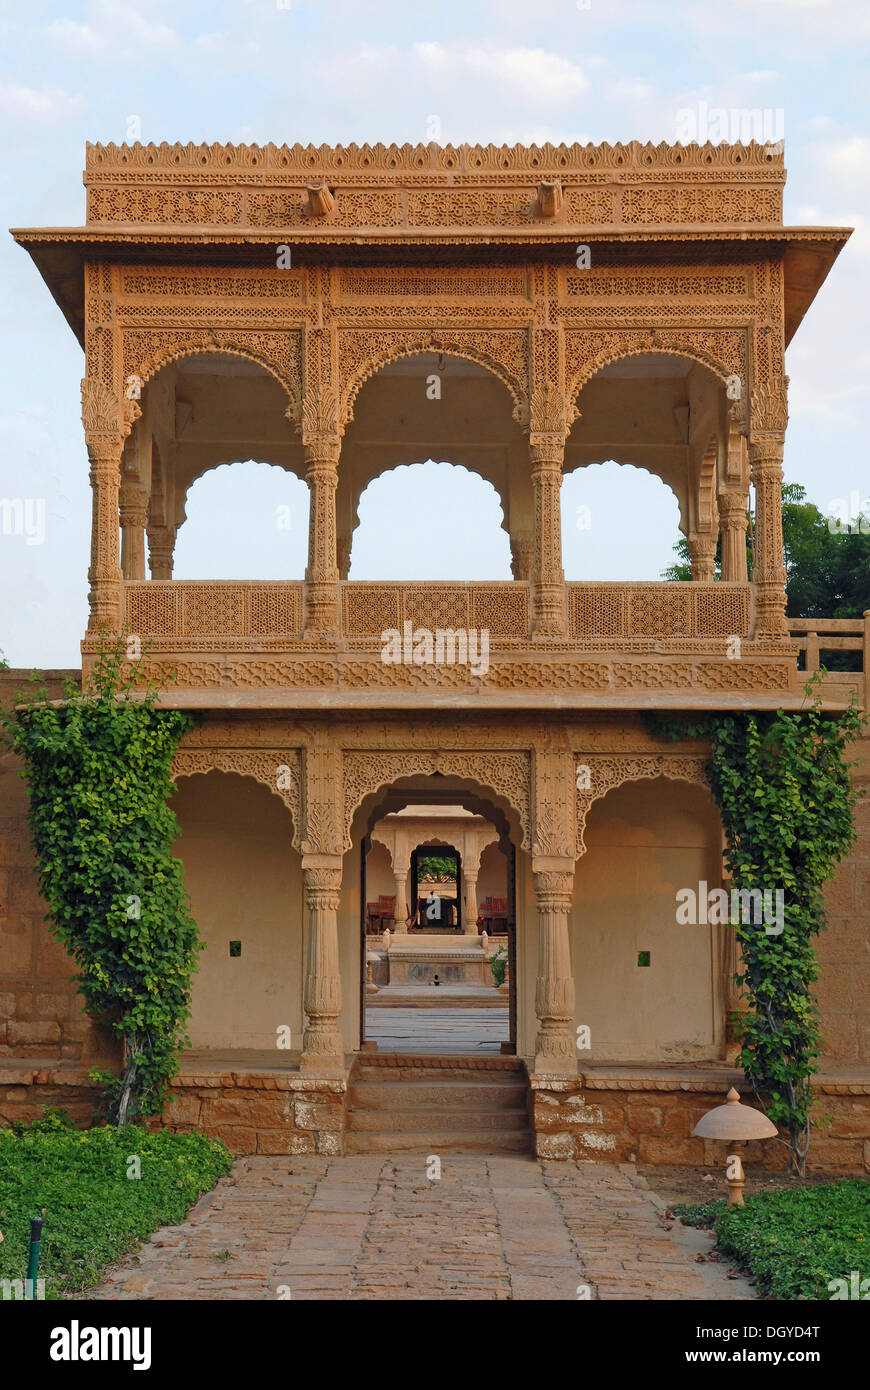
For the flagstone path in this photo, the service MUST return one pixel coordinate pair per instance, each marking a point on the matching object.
(370, 1227)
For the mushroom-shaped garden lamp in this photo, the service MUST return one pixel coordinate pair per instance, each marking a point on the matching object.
(734, 1123)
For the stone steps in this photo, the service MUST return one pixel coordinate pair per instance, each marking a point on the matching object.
(437, 1142)
(437, 1105)
(453, 1095)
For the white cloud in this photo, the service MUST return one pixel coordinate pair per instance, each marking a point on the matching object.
(531, 73)
(37, 105)
(120, 28)
(763, 76)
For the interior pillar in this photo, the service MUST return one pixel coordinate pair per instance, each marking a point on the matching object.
(321, 576)
(702, 556)
(469, 906)
(733, 508)
(400, 916)
(555, 1046)
(161, 551)
(548, 577)
(322, 1047)
(134, 516)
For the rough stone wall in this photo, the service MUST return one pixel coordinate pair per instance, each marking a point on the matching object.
(254, 1113)
(40, 1008)
(645, 1124)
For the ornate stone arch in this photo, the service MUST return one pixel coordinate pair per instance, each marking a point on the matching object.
(683, 512)
(505, 775)
(146, 351)
(231, 461)
(607, 771)
(264, 766)
(503, 498)
(723, 351)
(362, 353)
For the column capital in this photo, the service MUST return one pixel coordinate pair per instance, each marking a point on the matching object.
(702, 555)
(322, 453)
(732, 511)
(765, 452)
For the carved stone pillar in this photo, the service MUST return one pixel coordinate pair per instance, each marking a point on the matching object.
(134, 517)
(106, 426)
(733, 507)
(548, 577)
(104, 571)
(321, 576)
(469, 906)
(522, 552)
(400, 914)
(702, 556)
(322, 1047)
(161, 551)
(768, 569)
(555, 1046)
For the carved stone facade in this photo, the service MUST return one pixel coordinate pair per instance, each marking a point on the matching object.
(289, 305)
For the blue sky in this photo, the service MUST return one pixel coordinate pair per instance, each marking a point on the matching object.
(342, 71)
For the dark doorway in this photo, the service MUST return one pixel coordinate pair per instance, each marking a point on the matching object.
(436, 888)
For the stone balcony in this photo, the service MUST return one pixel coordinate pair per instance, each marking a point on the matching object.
(664, 644)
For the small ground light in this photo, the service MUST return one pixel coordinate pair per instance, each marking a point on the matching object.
(735, 1123)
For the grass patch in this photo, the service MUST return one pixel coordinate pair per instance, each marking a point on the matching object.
(77, 1180)
(794, 1241)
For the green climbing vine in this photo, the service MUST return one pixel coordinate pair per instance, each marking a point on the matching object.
(98, 767)
(782, 785)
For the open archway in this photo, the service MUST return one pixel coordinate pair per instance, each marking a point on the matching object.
(244, 520)
(432, 520)
(427, 982)
(661, 415)
(618, 523)
(433, 445)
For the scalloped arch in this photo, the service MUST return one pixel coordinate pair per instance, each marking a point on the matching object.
(428, 343)
(606, 772)
(235, 462)
(421, 463)
(166, 355)
(261, 766)
(504, 776)
(624, 463)
(619, 354)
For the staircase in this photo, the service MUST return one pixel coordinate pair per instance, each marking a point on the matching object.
(445, 1104)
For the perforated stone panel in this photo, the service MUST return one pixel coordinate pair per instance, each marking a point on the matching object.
(658, 610)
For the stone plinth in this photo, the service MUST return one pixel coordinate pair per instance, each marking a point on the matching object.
(456, 960)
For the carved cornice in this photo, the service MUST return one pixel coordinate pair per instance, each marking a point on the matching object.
(306, 161)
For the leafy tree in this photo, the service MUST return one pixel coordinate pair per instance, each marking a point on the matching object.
(827, 569)
(436, 866)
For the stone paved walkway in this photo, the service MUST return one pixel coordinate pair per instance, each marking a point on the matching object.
(471, 1032)
(504, 1227)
